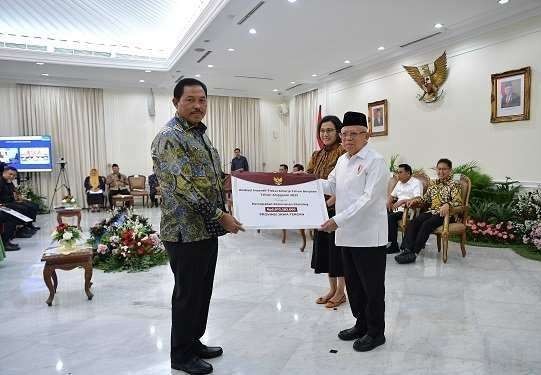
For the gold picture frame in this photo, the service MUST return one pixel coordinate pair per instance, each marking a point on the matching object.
(510, 98)
(378, 124)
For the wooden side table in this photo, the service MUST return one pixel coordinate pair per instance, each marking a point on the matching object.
(122, 200)
(80, 257)
(68, 212)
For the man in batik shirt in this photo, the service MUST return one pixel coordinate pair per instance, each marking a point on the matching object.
(193, 216)
(442, 195)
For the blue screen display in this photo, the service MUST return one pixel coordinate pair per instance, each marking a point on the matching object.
(27, 153)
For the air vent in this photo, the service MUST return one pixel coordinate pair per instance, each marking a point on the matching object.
(250, 13)
(227, 89)
(179, 78)
(35, 47)
(340, 70)
(420, 39)
(199, 49)
(254, 77)
(204, 56)
(293, 87)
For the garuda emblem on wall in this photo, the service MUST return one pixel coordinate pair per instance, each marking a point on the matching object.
(430, 81)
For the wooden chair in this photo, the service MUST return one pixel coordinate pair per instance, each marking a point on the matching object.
(458, 227)
(138, 187)
(421, 176)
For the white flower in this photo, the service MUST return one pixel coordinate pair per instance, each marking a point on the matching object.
(55, 233)
(67, 236)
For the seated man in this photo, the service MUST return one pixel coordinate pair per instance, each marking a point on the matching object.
(283, 168)
(406, 188)
(154, 186)
(9, 198)
(8, 224)
(117, 184)
(442, 194)
(298, 168)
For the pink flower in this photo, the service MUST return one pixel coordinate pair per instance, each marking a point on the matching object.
(475, 232)
(474, 227)
(498, 226)
(504, 236)
(482, 224)
(500, 235)
(512, 236)
(102, 249)
(509, 226)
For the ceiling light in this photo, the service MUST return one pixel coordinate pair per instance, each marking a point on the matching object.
(231, 49)
(502, 2)
(275, 90)
(148, 71)
(141, 81)
(252, 31)
(314, 75)
(198, 75)
(291, 1)
(40, 63)
(45, 74)
(381, 48)
(210, 66)
(347, 62)
(292, 82)
(438, 26)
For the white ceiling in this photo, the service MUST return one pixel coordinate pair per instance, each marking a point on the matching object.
(293, 40)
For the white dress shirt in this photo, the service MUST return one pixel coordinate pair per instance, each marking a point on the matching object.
(359, 183)
(411, 189)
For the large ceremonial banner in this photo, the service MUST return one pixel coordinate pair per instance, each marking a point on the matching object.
(278, 201)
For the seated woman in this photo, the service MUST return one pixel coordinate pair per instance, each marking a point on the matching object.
(95, 190)
(154, 185)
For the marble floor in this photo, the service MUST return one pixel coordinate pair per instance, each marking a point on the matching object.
(477, 315)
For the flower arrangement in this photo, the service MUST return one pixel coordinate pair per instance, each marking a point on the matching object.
(533, 235)
(66, 235)
(70, 200)
(126, 241)
(502, 232)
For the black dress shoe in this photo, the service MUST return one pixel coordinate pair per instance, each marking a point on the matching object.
(405, 257)
(32, 226)
(367, 343)
(11, 247)
(393, 249)
(194, 365)
(208, 352)
(23, 233)
(350, 334)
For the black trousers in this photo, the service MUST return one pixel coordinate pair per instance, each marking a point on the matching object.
(8, 224)
(392, 219)
(419, 229)
(193, 265)
(364, 271)
(116, 192)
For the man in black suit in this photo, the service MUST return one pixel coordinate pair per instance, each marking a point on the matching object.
(509, 98)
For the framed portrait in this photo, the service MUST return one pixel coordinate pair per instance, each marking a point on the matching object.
(510, 99)
(377, 118)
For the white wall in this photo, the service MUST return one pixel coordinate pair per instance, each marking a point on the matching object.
(129, 128)
(458, 126)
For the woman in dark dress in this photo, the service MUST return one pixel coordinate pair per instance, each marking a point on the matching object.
(326, 257)
(95, 190)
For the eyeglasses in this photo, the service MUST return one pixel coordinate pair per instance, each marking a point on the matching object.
(326, 131)
(351, 135)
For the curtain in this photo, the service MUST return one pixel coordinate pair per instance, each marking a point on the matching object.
(304, 123)
(235, 122)
(73, 117)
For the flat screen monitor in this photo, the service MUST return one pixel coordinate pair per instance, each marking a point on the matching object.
(27, 153)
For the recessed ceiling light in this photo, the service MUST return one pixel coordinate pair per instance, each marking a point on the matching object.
(148, 71)
(210, 66)
(292, 82)
(45, 74)
(503, 1)
(438, 26)
(275, 90)
(314, 75)
(347, 62)
(381, 48)
(40, 63)
(141, 81)
(252, 31)
(291, 1)
(198, 75)
(231, 49)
